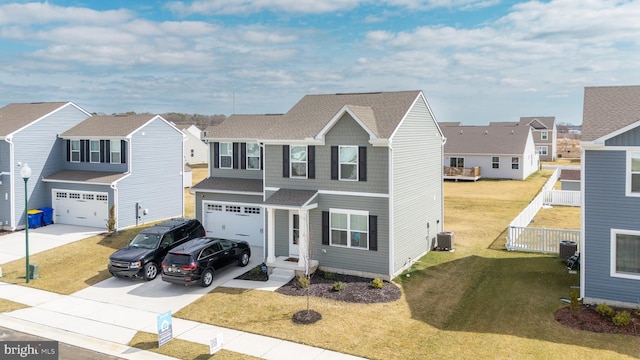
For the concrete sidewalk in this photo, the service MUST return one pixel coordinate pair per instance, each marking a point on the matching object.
(108, 328)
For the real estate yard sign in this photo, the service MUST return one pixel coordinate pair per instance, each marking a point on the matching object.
(165, 332)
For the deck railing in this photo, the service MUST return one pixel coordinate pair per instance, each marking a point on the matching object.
(462, 171)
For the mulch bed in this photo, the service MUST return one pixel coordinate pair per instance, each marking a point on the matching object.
(588, 319)
(357, 289)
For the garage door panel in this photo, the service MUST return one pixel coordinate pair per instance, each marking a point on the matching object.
(234, 221)
(81, 208)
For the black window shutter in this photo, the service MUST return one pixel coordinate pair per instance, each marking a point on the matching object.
(362, 163)
(373, 232)
(243, 155)
(84, 150)
(311, 162)
(285, 161)
(325, 228)
(68, 150)
(123, 151)
(216, 155)
(102, 150)
(107, 151)
(261, 158)
(236, 155)
(334, 163)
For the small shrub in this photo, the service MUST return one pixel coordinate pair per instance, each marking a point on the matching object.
(574, 305)
(339, 286)
(329, 275)
(256, 270)
(377, 283)
(605, 310)
(622, 318)
(303, 282)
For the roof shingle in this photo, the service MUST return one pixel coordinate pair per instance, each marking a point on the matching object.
(109, 125)
(15, 116)
(608, 109)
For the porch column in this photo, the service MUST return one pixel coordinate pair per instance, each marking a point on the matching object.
(271, 235)
(303, 240)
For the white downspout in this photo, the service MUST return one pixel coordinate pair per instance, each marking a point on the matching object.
(391, 214)
(271, 257)
(12, 191)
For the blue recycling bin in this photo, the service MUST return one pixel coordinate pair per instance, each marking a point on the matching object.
(47, 215)
(34, 218)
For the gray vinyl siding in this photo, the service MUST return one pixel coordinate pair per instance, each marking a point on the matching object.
(156, 175)
(5, 165)
(231, 198)
(417, 186)
(5, 187)
(346, 131)
(606, 207)
(38, 145)
(375, 262)
(629, 138)
(231, 173)
(282, 233)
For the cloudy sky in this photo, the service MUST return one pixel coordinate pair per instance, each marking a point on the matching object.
(476, 60)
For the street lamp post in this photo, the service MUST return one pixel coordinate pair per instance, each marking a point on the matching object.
(25, 172)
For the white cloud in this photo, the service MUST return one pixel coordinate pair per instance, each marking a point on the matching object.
(45, 13)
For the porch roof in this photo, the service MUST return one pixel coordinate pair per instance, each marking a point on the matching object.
(80, 176)
(234, 185)
(292, 199)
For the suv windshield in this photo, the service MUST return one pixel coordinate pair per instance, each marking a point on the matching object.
(145, 241)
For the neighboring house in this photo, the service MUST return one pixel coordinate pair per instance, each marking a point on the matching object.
(545, 135)
(196, 151)
(133, 162)
(570, 179)
(495, 152)
(352, 182)
(29, 133)
(610, 239)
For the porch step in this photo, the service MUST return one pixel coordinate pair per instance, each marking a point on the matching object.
(282, 274)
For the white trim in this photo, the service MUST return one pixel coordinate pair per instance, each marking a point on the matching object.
(612, 261)
(306, 162)
(348, 213)
(247, 156)
(10, 135)
(391, 230)
(290, 229)
(351, 193)
(544, 135)
(220, 155)
(91, 152)
(628, 173)
(71, 151)
(613, 134)
(111, 152)
(193, 191)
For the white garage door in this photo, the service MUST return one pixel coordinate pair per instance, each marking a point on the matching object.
(234, 221)
(82, 208)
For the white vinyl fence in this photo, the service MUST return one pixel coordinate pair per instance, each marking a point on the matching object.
(523, 238)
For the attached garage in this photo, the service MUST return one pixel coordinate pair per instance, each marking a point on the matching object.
(83, 208)
(234, 221)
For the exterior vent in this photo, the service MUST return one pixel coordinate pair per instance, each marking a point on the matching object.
(445, 241)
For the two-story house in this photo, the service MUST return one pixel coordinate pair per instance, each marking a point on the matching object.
(494, 152)
(131, 162)
(351, 182)
(545, 135)
(195, 150)
(610, 238)
(28, 131)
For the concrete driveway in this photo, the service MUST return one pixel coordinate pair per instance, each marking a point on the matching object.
(12, 245)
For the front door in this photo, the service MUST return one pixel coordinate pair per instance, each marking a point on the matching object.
(294, 233)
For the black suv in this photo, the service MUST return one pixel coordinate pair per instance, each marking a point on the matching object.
(197, 260)
(142, 257)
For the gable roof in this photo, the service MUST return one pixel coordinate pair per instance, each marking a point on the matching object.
(243, 126)
(15, 116)
(503, 123)
(486, 139)
(608, 109)
(381, 112)
(110, 125)
(539, 122)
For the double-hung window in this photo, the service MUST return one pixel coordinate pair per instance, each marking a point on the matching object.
(253, 156)
(543, 150)
(226, 155)
(544, 135)
(115, 151)
(495, 162)
(625, 254)
(298, 161)
(633, 173)
(95, 151)
(349, 228)
(515, 163)
(456, 162)
(75, 150)
(348, 163)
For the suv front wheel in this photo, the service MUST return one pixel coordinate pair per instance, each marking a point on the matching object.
(150, 271)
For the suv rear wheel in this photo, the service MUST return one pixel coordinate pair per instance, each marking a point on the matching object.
(207, 278)
(150, 271)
